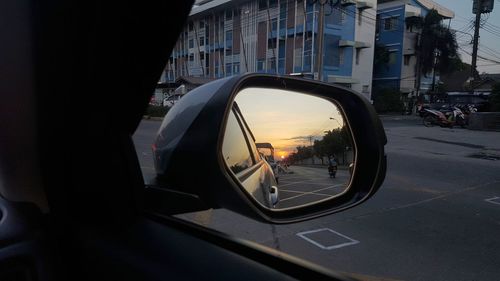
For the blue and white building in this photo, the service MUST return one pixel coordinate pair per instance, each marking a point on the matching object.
(225, 37)
(400, 40)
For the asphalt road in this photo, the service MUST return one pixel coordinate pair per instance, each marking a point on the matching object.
(309, 184)
(436, 217)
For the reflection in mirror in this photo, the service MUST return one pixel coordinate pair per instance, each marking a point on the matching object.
(288, 149)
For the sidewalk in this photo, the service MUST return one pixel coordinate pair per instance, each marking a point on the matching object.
(398, 117)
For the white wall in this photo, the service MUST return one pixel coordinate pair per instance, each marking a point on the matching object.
(408, 71)
(365, 33)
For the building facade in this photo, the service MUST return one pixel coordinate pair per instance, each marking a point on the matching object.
(224, 37)
(400, 40)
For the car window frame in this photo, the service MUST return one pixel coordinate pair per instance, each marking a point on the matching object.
(248, 134)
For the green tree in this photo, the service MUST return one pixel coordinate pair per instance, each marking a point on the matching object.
(495, 98)
(437, 47)
(388, 100)
(381, 57)
(333, 142)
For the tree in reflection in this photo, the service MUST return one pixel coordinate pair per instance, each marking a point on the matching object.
(336, 141)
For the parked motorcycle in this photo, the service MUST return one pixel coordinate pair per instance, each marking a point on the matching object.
(444, 117)
(468, 110)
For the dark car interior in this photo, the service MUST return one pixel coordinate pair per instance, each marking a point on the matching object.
(76, 79)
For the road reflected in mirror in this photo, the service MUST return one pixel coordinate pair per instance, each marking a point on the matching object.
(288, 149)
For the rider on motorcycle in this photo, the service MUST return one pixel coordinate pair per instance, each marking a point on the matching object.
(332, 165)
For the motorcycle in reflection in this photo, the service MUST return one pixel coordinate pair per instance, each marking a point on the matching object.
(332, 166)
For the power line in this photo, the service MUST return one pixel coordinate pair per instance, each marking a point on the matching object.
(495, 33)
(481, 57)
(489, 65)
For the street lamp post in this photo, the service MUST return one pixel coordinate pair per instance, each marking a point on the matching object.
(340, 125)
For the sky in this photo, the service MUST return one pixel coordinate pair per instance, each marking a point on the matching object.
(489, 34)
(286, 119)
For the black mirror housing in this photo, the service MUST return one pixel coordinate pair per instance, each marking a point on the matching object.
(188, 157)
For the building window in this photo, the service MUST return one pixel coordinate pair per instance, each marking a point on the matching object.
(191, 43)
(229, 40)
(365, 89)
(236, 68)
(274, 24)
(191, 57)
(273, 3)
(358, 51)
(343, 15)
(391, 23)
(228, 69)
(341, 56)
(392, 57)
(190, 26)
(409, 27)
(297, 58)
(229, 14)
(331, 54)
(262, 5)
(202, 24)
(299, 16)
(407, 59)
(271, 65)
(271, 44)
(283, 5)
(202, 41)
(261, 64)
(360, 17)
(307, 55)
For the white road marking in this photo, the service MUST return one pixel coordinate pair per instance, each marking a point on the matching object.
(315, 183)
(311, 192)
(296, 182)
(303, 235)
(492, 200)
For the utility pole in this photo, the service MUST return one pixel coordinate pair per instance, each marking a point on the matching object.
(321, 31)
(418, 75)
(477, 24)
(479, 7)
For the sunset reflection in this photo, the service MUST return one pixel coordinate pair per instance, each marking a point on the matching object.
(287, 119)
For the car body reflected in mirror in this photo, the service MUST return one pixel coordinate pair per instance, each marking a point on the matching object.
(288, 149)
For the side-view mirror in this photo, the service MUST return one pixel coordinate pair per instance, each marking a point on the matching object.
(213, 149)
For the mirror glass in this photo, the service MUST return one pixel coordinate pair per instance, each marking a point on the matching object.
(287, 149)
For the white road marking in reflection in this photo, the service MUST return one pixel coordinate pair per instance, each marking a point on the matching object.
(492, 200)
(296, 182)
(351, 242)
(315, 183)
(311, 192)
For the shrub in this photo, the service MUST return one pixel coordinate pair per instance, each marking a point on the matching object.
(387, 100)
(156, 111)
